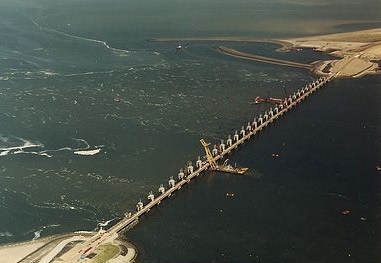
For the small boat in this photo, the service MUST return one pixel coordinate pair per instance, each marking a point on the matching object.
(378, 167)
(346, 212)
(227, 168)
(179, 47)
(230, 194)
(259, 99)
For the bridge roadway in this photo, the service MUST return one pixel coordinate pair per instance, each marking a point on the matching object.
(292, 101)
(253, 128)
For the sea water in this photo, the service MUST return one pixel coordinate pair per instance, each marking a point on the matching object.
(93, 117)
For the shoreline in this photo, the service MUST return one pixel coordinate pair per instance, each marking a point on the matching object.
(26, 249)
(235, 53)
(284, 45)
(51, 248)
(356, 53)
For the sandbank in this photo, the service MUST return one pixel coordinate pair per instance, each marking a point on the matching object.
(355, 54)
(358, 53)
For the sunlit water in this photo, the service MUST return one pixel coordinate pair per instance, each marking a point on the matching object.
(93, 117)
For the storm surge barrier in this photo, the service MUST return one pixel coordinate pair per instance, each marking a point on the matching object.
(218, 152)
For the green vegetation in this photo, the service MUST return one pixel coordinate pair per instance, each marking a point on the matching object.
(105, 253)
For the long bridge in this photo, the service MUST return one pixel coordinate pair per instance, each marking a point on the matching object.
(202, 164)
(220, 151)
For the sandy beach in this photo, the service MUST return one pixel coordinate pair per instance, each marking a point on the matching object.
(16, 252)
(358, 53)
(355, 53)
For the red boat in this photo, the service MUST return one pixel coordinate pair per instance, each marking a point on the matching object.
(258, 100)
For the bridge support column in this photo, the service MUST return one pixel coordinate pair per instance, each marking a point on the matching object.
(214, 151)
(229, 141)
(236, 137)
(242, 132)
(222, 146)
(198, 162)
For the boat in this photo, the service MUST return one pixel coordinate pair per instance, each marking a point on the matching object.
(259, 99)
(179, 47)
(346, 212)
(227, 168)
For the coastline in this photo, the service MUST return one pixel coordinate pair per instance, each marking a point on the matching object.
(357, 53)
(17, 252)
(50, 248)
(238, 54)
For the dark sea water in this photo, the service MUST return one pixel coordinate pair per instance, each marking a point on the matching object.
(139, 108)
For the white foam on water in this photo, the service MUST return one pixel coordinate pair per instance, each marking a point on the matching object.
(4, 153)
(12, 145)
(51, 226)
(6, 234)
(82, 141)
(88, 152)
(53, 205)
(103, 224)
(89, 73)
(48, 73)
(16, 145)
(26, 145)
(45, 154)
(37, 235)
(104, 43)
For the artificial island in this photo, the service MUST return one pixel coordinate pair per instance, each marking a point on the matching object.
(352, 54)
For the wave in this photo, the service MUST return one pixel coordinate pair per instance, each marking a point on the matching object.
(74, 205)
(13, 145)
(6, 234)
(88, 152)
(120, 52)
(88, 73)
(16, 145)
(37, 234)
(103, 224)
(4, 153)
(44, 74)
(52, 205)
